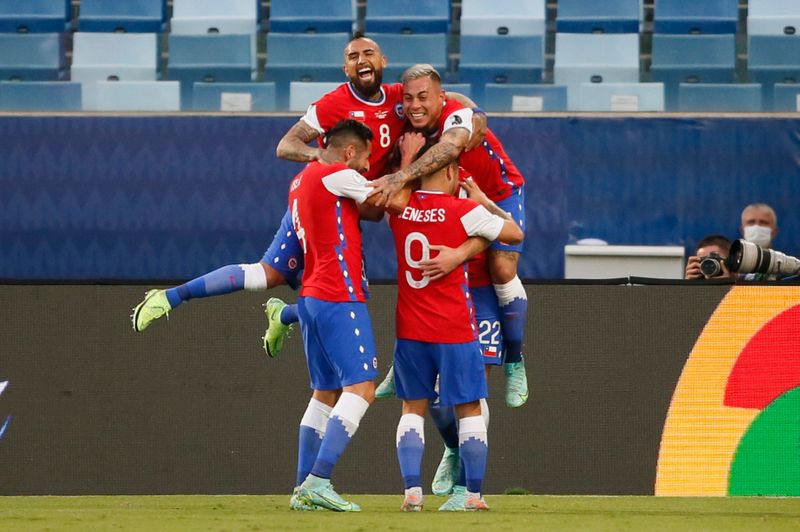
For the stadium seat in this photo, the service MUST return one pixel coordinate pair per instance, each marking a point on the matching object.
(620, 97)
(312, 16)
(403, 50)
(407, 16)
(591, 16)
(138, 16)
(773, 59)
(163, 96)
(773, 17)
(595, 58)
(692, 59)
(303, 57)
(302, 94)
(719, 98)
(524, 97)
(786, 97)
(31, 57)
(114, 56)
(461, 88)
(234, 97)
(209, 58)
(503, 17)
(500, 59)
(40, 96)
(695, 16)
(35, 16)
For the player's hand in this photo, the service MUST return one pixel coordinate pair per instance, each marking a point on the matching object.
(446, 260)
(693, 269)
(479, 128)
(409, 145)
(473, 191)
(386, 188)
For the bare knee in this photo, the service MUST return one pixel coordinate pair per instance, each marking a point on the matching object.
(503, 266)
(274, 277)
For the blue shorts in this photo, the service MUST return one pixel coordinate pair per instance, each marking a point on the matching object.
(487, 316)
(462, 378)
(285, 254)
(340, 347)
(515, 206)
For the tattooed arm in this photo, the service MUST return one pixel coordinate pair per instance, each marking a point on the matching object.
(294, 144)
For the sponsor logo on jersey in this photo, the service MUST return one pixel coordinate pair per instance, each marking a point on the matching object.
(292, 263)
(456, 120)
(398, 110)
(380, 115)
(357, 115)
(295, 183)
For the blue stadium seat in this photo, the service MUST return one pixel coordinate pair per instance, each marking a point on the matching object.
(786, 97)
(692, 59)
(403, 50)
(524, 97)
(773, 59)
(114, 57)
(591, 16)
(31, 57)
(234, 97)
(620, 97)
(311, 16)
(596, 58)
(161, 96)
(303, 57)
(303, 93)
(500, 59)
(773, 17)
(209, 58)
(503, 17)
(719, 98)
(138, 16)
(461, 88)
(695, 16)
(40, 96)
(407, 16)
(35, 16)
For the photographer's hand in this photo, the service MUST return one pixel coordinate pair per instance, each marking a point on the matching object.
(693, 269)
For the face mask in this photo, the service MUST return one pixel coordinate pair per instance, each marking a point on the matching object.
(758, 234)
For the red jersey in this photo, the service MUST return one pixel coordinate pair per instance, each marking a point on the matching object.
(488, 163)
(436, 311)
(477, 266)
(323, 201)
(384, 118)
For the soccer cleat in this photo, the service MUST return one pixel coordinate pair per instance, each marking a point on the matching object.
(516, 384)
(386, 388)
(300, 504)
(413, 500)
(475, 503)
(276, 330)
(320, 492)
(447, 472)
(456, 501)
(154, 305)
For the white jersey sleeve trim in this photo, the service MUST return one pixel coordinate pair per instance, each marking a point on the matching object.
(347, 183)
(480, 222)
(311, 119)
(459, 118)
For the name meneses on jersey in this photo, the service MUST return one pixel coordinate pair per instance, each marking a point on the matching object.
(295, 183)
(423, 215)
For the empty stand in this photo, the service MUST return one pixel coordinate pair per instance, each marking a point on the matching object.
(773, 59)
(503, 17)
(773, 17)
(524, 97)
(114, 56)
(500, 59)
(408, 16)
(592, 16)
(620, 97)
(695, 16)
(35, 16)
(234, 97)
(719, 98)
(209, 58)
(162, 96)
(31, 57)
(302, 94)
(312, 16)
(40, 96)
(461, 88)
(402, 51)
(141, 16)
(692, 59)
(786, 97)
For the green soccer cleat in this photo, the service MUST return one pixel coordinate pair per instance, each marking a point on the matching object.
(516, 384)
(456, 501)
(320, 492)
(300, 504)
(386, 388)
(276, 330)
(154, 305)
(447, 472)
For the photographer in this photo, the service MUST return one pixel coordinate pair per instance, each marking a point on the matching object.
(710, 254)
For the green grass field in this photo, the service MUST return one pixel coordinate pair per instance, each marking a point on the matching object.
(380, 512)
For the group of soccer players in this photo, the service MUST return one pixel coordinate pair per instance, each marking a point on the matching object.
(441, 311)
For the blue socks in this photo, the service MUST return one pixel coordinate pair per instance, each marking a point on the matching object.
(225, 280)
(312, 431)
(410, 447)
(513, 315)
(342, 425)
(289, 315)
(444, 417)
(474, 450)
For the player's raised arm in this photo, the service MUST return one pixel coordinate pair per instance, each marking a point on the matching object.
(294, 144)
(480, 124)
(448, 259)
(511, 233)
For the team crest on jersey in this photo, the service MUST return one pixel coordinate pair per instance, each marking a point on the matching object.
(357, 115)
(292, 263)
(398, 110)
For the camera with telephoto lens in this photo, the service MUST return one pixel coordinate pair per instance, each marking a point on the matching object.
(746, 257)
(711, 266)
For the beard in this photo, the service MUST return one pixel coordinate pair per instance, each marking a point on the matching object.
(368, 89)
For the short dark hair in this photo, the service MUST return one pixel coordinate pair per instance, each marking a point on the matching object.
(347, 131)
(720, 241)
